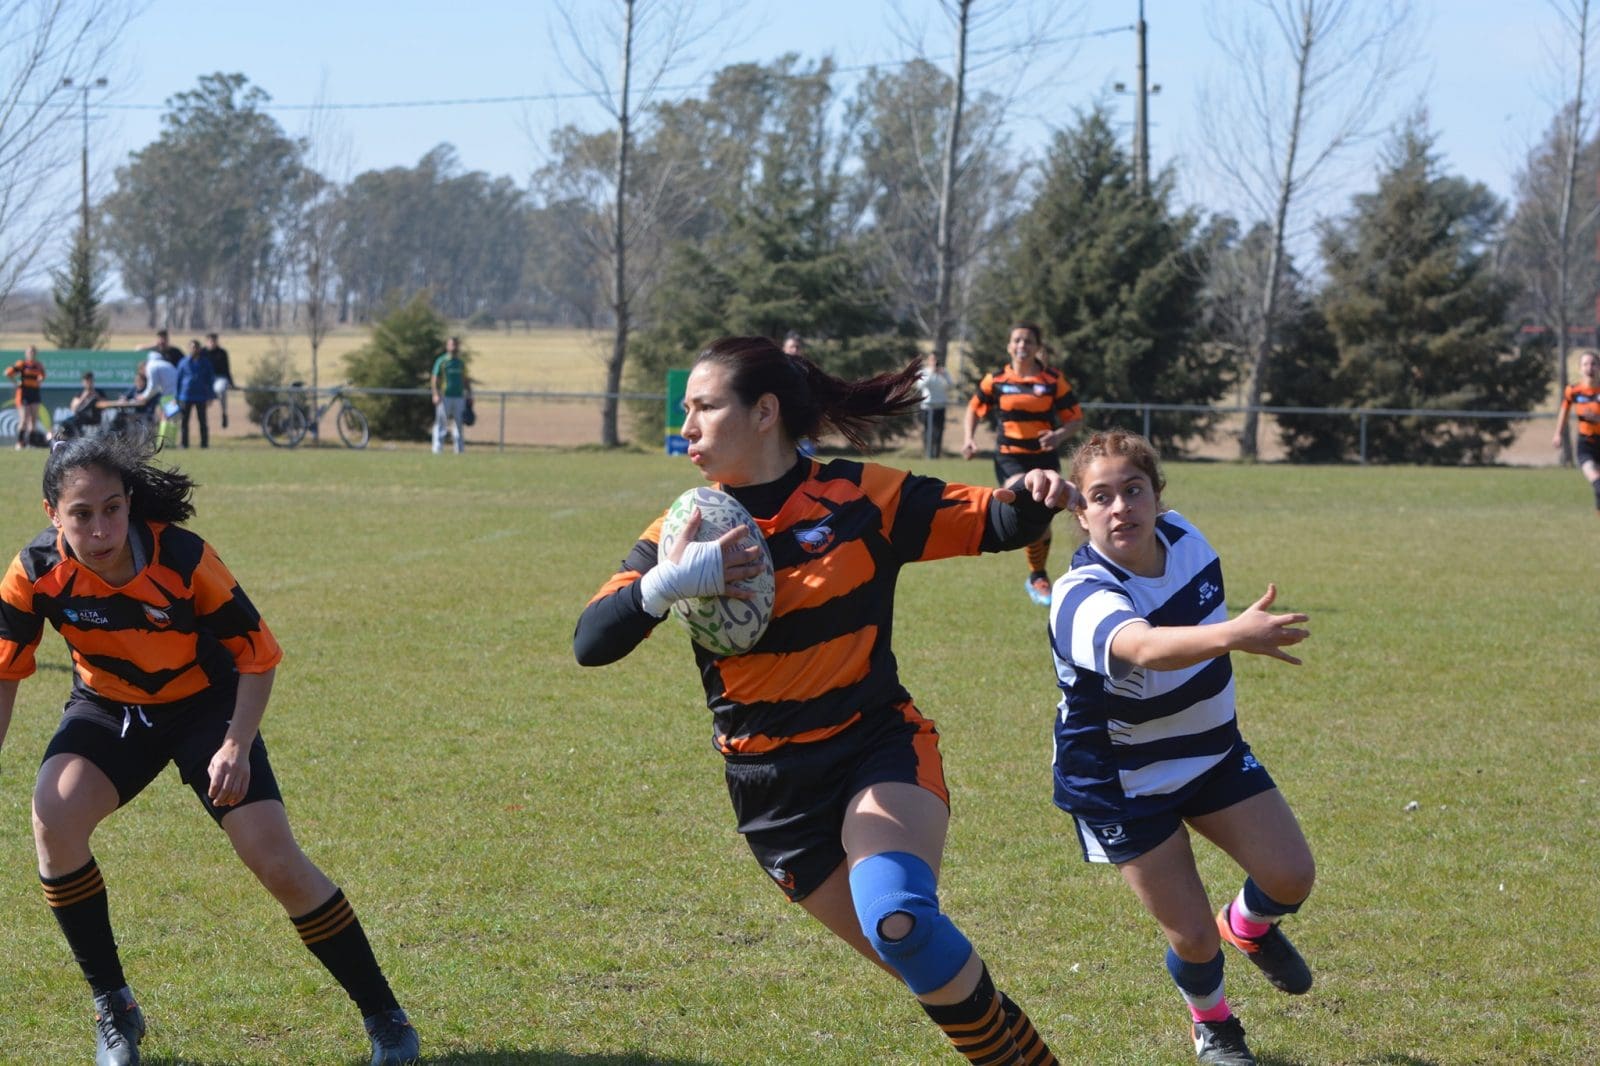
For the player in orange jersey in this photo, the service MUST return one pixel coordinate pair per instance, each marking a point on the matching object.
(1036, 412)
(834, 773)
(172, 663)
(28, 373)
(1583, 398)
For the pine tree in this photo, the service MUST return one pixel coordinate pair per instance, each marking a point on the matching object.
(1113, 278)
(1419, 314)
(400, 355)
(780, 265)
(77, 320)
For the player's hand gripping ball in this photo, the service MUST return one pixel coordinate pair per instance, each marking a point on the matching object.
(722, 625)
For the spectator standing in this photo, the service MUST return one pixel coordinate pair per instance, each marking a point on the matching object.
(934, 381)
(451, 394)
(194, 388)
(221, 374)
(169, 351)
(28, 373)
(159, 394)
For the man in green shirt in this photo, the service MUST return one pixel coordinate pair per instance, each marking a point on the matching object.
(451, 394)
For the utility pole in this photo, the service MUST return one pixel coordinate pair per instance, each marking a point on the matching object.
(1141, 111)
(83, 90)
(1141, 124)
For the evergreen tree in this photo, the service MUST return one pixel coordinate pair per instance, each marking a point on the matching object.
(77, 320)
(1302, 369)
(1114, 278)
(780, 265)
(400, 355)
(1419, 314)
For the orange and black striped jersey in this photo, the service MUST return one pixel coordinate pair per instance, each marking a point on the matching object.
(27, 373)
(1585, 401)
(839, 533)
(1027, 405)
(180, 625)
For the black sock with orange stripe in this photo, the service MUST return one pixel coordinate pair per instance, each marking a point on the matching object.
(334, 935)
(78, 900)
(1038, 554)
(977, 1026)
(1031, 1048)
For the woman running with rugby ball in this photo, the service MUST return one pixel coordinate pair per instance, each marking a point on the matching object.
(834, 773)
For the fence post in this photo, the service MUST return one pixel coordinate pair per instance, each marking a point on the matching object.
(1147, 423)
(1363, 438)
(502, 421)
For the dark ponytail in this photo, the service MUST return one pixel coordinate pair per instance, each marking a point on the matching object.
(809, 398)
(154, 494)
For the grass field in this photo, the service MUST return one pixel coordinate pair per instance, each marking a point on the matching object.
(545, 860)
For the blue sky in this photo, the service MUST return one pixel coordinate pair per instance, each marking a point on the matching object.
(1482, 73)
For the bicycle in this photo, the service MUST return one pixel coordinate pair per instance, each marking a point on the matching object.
(286, 423)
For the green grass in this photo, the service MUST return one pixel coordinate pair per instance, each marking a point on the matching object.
(544, 857)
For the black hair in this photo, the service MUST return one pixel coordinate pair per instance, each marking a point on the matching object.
(154, 494)
(1033, 328)
(809, 398)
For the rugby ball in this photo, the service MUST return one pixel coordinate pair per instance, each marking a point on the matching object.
(722, 625)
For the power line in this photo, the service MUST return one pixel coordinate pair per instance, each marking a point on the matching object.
(532, 98)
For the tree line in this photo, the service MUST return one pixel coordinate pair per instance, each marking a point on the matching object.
(773, 201)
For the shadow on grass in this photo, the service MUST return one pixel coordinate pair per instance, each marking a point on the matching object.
(487, 1058)
(1394, 1058)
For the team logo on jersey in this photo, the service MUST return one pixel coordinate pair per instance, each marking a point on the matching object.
(1113, 834)
(85, 618)
(158, 618)
(816, 540)
(1207, 591)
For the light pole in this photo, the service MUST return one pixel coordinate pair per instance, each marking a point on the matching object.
(83, 89)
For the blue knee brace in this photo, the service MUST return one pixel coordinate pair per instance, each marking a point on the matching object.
(898, 883)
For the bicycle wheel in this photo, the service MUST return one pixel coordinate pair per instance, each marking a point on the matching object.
(284, 425)
(353, 428)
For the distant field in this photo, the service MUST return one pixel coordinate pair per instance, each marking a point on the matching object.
(542, 359)
(545, 859)
(569, 360)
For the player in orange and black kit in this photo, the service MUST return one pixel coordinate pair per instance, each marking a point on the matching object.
(1036, 411)
(172, 663)
(28, 373)
(1583, 399)
(835, 775)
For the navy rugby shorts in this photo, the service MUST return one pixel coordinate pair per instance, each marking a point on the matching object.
(1237, 777)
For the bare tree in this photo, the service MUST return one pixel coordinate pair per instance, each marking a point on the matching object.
(1555, 219)
(1306, 81)
(645, 40)
(326, 159)
(1027, 32)
(46, 47)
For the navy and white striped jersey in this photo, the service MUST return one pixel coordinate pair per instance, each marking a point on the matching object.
(1131, 741)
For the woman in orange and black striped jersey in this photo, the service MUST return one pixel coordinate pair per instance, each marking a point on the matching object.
(834, 774)
(172, 663)
(1583, 398)
(1036, 412)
